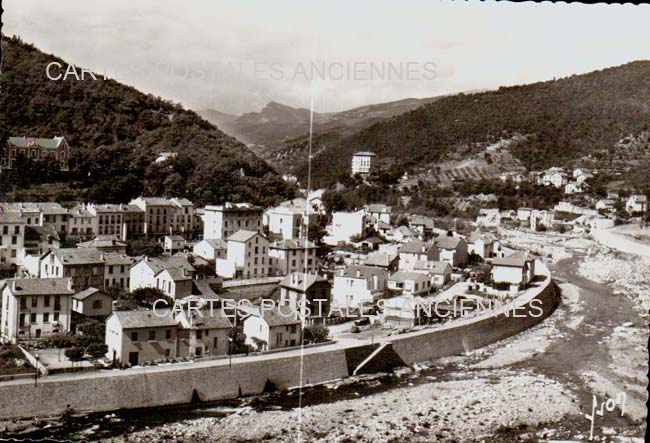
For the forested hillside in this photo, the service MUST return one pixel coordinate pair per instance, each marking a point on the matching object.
(115, 133)
(563, 119)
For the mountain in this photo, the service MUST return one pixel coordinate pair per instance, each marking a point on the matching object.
(220, 119)
(601, 119)
(277, 124)
(115, 133)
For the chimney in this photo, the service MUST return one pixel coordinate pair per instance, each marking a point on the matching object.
(13, 286)
(424, 248)
(358, 273)
(69, 284)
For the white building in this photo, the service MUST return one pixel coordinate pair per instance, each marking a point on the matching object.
(136, 337)
(346, 225)
(556, 177)
(287, 256)
(172, 275)
(516, 269)
(409, 283)
(380, 212)
(439, 272)
(12, 239)
(273, 329)
(222, 221)
(636, 204)
(359, 284)
(481, 244)
(362, 162)
(33, 308)
(211, 249)
(288, 222)
(247, 256)
(416, 251)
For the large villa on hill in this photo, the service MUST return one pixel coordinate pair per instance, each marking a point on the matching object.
(55, 148)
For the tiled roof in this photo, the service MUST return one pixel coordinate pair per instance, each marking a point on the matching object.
(41, 286)
(280, 316)
(446, 242)
(106, 241)
(115, 258)
(78, 256)
(158, 264)
(379, 259)
(25, 142)
(365, 272)
(87, 293)
(145, 319)
(211, 319)
(296, 280)
(517, 259)
(402, 276)
(433, 267)
(378, 207)
(242, 235)
(217, 243)
(416, 247)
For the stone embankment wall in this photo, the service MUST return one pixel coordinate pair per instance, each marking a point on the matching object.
(217, 380)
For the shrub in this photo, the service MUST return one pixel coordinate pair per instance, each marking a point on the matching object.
(316, 334)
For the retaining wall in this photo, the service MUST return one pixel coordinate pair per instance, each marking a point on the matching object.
(215, 380)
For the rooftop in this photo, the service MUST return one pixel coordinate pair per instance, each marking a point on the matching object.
(242, 235)
(87, 293)
(41, 286)
(78, 256)
(446, 242)
(517, 259)
(297, 280)
(416, 247)
(25, 142)
(145, 319)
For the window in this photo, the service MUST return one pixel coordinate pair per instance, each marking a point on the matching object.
(55, 317)
(167, 353)
(293, 329)
(152, 335)
(22, 320)
(198, 335)
(23, 303)
(46, 301)
(134, 336)
(46, 317)
(97, 304)
(34, 302)
(168, 334)
(32, 318)
(215, 342)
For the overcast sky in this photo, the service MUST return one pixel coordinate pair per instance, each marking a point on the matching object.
(237, 55)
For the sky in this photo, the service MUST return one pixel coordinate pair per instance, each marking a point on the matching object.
(237, 55)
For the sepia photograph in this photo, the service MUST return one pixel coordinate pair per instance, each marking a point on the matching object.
(327, 221)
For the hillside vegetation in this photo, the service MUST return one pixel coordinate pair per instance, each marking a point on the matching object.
(563, 120)
(115, 133)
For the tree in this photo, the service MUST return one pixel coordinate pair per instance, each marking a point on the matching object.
(237, 341)
(316, 334)
(97, 350)
(75, 354)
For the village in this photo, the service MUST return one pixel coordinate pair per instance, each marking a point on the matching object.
(91, 306)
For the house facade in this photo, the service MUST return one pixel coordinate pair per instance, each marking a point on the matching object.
(36, 149)
(85, 266)
(135, 337)
(34, 308)
(363, 162)
(273, 329)
(247, 256)
(356, 285)
(222, 221)
(92, 302)
(287, 256)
